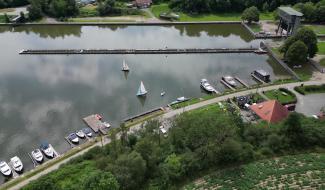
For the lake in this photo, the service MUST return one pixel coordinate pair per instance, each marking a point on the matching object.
(44, 97)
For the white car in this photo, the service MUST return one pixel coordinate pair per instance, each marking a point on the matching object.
(5, 169)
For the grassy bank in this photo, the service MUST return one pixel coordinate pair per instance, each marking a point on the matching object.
(158, 9)
(312, 89)
(318, 29)
(255, 27)
(305, 171)
(284, 96)
(321, 48)
(322, 62)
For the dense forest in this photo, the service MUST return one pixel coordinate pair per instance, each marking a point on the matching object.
(13, 3)
(199, 141)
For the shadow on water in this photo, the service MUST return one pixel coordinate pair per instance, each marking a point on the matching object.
(126, 73)
(142, 100)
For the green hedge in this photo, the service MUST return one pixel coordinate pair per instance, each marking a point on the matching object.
(311, 89)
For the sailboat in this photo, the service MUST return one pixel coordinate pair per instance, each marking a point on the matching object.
(142, 90)
(125, 67)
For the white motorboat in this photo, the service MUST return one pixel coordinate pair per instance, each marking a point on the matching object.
(162, 93)
(73, 138)
(229, 80)
(80, 134)
(17, 164)
(206, 86)
(47, 149)
(5, 169)
(106, 124)
(87, 131)
(125, 67)
(37, 155)
(142, 90)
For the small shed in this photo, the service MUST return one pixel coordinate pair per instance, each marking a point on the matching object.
(289, 20)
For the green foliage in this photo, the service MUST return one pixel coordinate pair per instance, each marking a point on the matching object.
(297, 53)
(35, 10)
(6, 18)
(12, 3)
(310, 89)
(100, 181)
(313, 12)
(251, 14)
(283, 95)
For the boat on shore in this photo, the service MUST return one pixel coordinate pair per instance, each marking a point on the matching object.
(142, 90)
(80, 134)
(230, 80)
(73, 138)
(87, 132)
(17, 164)
(5, 169)
(47, 150)
(206, 86)
(125, 67)
(37, 155)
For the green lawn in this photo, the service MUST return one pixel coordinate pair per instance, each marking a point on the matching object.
(88, 11)
(305, 72)
(158, 9)
(319, 29)
(322, 62)
(304, 171)
(321, 48)
(284, 97)
(255, 27)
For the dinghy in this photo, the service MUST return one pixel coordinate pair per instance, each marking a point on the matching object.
(142, 90)
(125, 67)
(37, 155)
(17, 164)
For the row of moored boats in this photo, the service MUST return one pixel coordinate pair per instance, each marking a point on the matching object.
(74, 137)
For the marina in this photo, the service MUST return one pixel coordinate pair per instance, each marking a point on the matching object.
(62, 89)
(95, 124)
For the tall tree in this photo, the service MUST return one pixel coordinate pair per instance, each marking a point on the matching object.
(251, 14)
(297, 53)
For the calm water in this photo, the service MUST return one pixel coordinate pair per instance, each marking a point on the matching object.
(44, 97)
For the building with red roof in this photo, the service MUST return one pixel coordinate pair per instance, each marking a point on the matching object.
(271, 111)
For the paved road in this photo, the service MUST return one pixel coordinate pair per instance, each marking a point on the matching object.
(169, 115)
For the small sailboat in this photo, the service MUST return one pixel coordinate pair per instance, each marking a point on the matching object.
(37, 155)
(125, 67)
(5, 169)
(17, 164)
(142, 90)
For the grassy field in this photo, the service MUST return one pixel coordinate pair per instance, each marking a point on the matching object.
(158, 9)
(319, 29)
(281, 96)
(322, 62)
(88, 11)
(321, 48)
(98, 20)
(304, 171)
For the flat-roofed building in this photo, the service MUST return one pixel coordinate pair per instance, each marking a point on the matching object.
(289, 20)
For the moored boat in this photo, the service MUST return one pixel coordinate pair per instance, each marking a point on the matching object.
(106, 124)
(229, 80)
(80, 134)
(17, 164)
(47, 149)
(5, 169)
(125, 67)
(142, 90)
(73, 138)
(261, 74)
(37, 155)
(206, 86)
(87, 132)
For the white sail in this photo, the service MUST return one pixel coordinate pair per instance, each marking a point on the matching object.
(142, 90)
(125, 67)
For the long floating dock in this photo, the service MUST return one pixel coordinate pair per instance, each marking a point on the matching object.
(140, 51)
(95, 124)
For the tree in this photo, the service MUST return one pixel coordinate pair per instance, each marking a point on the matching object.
(297, 53)
(230, 152)
(251, 14)
(293, 130)
(106, 8)
(100, 180)
(309, 37)
(173, 167)
(22, 17)
(35, 10)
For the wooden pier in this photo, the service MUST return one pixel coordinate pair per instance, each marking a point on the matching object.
(143, 114)
(95, 124)
(258, 79)
(227, 85)
(242, 82)
(139, 51)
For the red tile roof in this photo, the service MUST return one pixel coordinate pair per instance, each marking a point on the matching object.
(271, 111)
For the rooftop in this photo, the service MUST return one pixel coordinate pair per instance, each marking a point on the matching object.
(291, 11)
(271, 111)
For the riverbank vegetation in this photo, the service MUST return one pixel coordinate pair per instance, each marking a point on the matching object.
(321, 48)
(304, 171)
(13, 3)
(197, 142)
